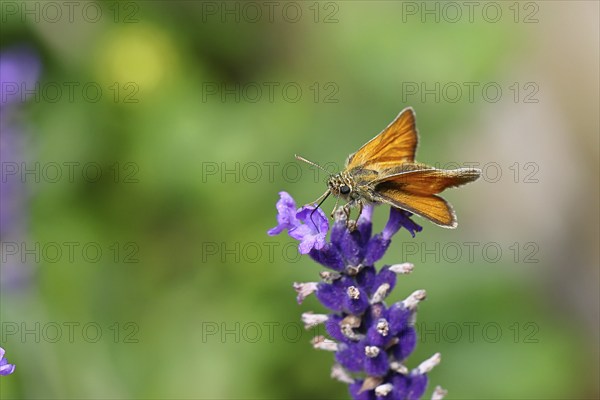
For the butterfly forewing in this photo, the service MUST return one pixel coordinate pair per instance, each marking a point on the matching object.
(396, 144)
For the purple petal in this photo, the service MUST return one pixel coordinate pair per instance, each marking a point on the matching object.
(301, 231)
(286, 214)
(398, 219)
(5, 367)
(312, 233)
(309, 239)
(394, 223)
(317, 221)
(410, 225)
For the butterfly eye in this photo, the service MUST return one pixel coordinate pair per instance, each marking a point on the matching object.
(344, 189)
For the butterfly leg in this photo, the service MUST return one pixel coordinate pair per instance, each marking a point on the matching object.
(335, 207)
(350, 223)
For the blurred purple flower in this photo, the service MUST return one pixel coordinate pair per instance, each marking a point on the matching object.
(370, 339)
(19, 71)
(5, 367)
(12, 189)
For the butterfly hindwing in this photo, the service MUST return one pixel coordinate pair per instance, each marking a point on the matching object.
(426, 181)
(432, 207)
(415, 191)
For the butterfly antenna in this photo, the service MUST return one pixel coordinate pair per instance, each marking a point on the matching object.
(311, 163)
(325, 196)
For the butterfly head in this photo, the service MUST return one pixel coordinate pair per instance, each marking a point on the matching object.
(341, 185)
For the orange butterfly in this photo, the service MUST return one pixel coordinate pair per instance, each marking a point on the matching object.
(384, 171)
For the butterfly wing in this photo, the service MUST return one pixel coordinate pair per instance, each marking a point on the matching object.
(425, 180)
(432, 207)
(416, 191)
(396, 144)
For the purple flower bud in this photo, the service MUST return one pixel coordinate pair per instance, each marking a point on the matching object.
(351, 356)
(376, 361)
(401, 386)
(374, 314)
(333, 328)
(379, 333)
(376, 248)
(357, 394)
(356, 300)
(328, 256)
(398, 316)
(366, 278)
(332, 295)
(407, 341)
(351, 248)
(364, 225)
(385, 276)
(338, 231)
(417, 386)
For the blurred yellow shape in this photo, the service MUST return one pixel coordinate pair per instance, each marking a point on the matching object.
(142, 55)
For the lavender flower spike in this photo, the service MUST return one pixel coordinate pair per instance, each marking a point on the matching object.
(5, 367)
(371, 340)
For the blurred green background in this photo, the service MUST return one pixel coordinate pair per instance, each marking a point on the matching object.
(202, 108)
